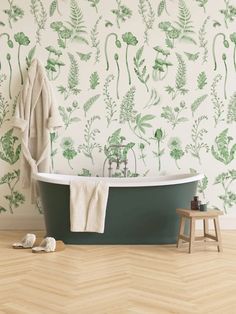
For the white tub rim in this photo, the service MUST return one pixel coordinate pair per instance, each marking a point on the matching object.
(163, 180)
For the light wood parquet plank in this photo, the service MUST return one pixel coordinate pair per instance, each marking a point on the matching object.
(117, 279)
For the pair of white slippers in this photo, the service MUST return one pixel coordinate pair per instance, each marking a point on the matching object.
(47, 245)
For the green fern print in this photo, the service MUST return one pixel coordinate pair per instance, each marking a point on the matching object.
(73, 79)
(15, 198)
(140, 71)
(216, 100)
(201, 80)
(90, 139)
(155, 76)
(67, 114)
(95, 41)
(68, 150)
(148, 16)
(197, 135)
(173, 115)
(111, 106)
(122, 13)
(9, 147)
(77, 23)
(226, 179)
(185, 23)
(94, 80)
(203, 42)
(4, 110)
(14, 12)
(180, 80)
(176, 152)
(231, 114)
(40, 17)
(223, 152)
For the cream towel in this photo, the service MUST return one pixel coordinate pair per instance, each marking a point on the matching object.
(88, 202)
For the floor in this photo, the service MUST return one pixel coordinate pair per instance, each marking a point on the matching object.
(117, 279)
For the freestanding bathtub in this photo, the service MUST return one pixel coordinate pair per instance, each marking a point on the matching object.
(139, 210)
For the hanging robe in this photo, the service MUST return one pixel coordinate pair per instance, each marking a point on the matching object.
(35, 115)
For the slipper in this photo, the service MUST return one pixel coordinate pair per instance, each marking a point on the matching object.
(49, 245)
(27, 242)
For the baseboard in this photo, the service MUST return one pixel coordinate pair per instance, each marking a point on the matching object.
(16, 222)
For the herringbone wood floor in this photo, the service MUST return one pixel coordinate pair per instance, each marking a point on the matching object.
(117, 279)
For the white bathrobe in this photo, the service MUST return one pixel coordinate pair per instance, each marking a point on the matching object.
(36, 113)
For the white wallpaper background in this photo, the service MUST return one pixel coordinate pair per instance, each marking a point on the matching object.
(158, 76)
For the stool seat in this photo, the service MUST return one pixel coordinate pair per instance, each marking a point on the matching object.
(192, 216)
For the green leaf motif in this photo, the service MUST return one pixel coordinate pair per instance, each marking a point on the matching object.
(222, 151)
(15, 199)
(90, 139)
(161, 7)
(30, 56)
(94, 3)
(95, 41)
(127, 106)
(40, 17)
(197, 103)
(197, 135)
(142, 122)
(9, 150)
(229, 197)
(111, 106)
(66, 114)
(4, 110)
(88, 104)
(172, 115)
(122, 13)
(202, 4)
(203, 42)
(139, 69)
(14, 13)
(94, 80)
(84, 56)
(77, 23)
(185, 24)
(180, 80)
(176, 151)
(73, 78)
(216, 100)
(201, 80)
(231, 114)
(148, 16)
(192, 56)
(53, 7)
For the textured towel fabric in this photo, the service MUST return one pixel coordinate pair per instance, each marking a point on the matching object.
(88, 202)
(36, 114)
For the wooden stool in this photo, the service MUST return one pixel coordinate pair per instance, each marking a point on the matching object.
(192, 215)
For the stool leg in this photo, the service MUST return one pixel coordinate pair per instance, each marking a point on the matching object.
(218, 234)
(192, 234)
(181, 230)
(205, 227)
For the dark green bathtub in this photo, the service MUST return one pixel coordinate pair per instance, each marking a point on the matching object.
(134, 215)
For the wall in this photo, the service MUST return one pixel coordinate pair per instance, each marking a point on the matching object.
(157, 76)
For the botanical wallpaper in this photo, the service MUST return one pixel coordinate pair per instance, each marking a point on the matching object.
(143, 87)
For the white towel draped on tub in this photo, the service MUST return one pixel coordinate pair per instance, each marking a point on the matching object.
(88, 202)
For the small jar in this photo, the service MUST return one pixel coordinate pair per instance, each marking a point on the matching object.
(195, 203)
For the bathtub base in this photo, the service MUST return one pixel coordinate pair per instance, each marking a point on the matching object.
(134, 215)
